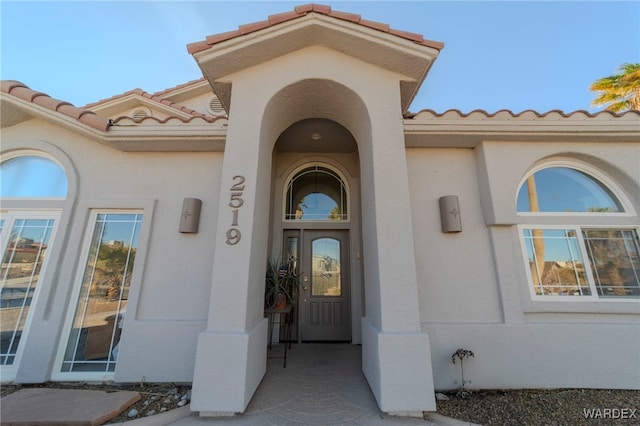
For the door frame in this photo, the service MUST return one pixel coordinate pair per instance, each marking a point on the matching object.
(302, 244)
(347, 166)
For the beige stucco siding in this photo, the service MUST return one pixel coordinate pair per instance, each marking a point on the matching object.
(456, 277)
(473, 286)
(168, 302)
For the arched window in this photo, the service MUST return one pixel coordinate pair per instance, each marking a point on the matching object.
(564, 189)
(589, 259)
(316, 193)
(31, 176)
(27, 232)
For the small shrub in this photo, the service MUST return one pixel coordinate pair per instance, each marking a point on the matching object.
(461, 354)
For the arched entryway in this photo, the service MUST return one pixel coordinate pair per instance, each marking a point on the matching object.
(387, 319)
(316, 222)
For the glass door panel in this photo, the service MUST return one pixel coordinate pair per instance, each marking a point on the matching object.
(94, 340)
(22, 265)
(325, 268)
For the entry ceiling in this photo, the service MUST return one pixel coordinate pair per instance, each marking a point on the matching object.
(316, 135)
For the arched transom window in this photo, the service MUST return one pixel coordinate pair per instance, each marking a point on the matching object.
(564, 189)
(31, 176)
(592, 259)
(316, 193)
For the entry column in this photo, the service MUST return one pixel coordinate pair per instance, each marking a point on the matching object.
(231, 352)
(396, 352)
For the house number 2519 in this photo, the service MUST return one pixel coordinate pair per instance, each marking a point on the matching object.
(235, 202)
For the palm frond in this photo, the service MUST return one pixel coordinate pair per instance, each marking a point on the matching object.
(619, 92)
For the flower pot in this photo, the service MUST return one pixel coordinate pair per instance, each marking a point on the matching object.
(281, 301)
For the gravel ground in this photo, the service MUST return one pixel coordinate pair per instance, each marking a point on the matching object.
(545, 407)
(510, 407)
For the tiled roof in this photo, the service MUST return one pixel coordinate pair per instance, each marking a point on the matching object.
(138, 91)
(179, 86)
(527, 114)
(89, 118)
(21, 91)
(300, 11)
(156, 98)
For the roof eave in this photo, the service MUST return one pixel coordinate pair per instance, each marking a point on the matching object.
(456, 131)
(159, 138)
(382, 49)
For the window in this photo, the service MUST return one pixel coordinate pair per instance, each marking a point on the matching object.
(35, 186)
(23, 258)
(586, 260)
(93, 343)
(316, 193)
(30, 176)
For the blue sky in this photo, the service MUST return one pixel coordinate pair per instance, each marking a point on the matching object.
(498, 55)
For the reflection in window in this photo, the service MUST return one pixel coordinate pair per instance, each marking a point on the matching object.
(316, 193)
(555, 262)
(325, 268)
(95, 335)
(21, 267)
(607, 266)
(615, 261)
(32, 177)
(562, 189)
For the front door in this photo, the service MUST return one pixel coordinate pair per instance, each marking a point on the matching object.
(325, 307)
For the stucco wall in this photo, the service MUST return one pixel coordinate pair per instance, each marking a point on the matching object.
(168, 301)
(457, 280)
(474, 291)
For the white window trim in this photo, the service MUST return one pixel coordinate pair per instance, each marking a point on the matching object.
(9, 372)
(57, 373)
(627, 206)
(588, 271)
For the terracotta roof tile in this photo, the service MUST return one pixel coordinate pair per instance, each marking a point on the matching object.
(408, 35)
(217, 38)
(346, 16)
(375, 25)
(197, 47)
(179, 86)
(206, 118)
(114, 97)
(255, 26)
(303, 10)
(157, 97)
(283, 17)
(21, 91)
(505, 112)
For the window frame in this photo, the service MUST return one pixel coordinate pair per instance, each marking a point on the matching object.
(577, 221)
(74, 298)
(594, 296)
(344, 182)
(9, 216)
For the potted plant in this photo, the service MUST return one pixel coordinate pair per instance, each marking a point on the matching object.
(281, 284)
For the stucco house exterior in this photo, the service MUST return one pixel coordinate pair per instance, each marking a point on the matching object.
(136, 230)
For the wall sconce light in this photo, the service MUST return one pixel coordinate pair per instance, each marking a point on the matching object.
(450, 214)
(190, 218)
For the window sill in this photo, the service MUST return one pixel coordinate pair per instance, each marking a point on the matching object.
(601, 306)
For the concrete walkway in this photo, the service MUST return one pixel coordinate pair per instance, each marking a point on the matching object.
(322, 384)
